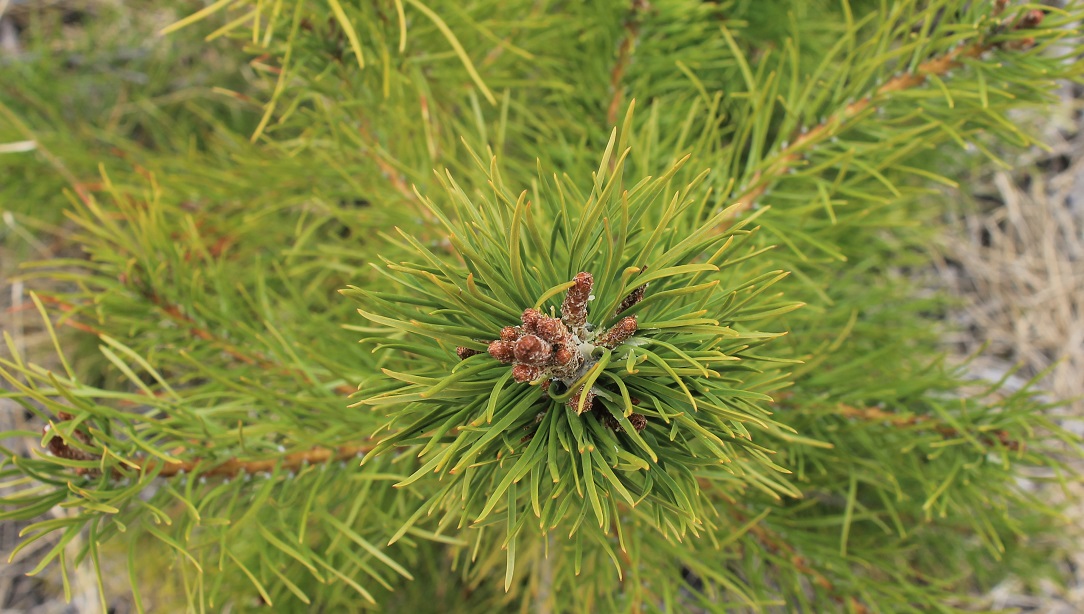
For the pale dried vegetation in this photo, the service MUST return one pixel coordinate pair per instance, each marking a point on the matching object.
(1014, 257)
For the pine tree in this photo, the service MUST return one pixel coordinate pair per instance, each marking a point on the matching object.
(634, 289)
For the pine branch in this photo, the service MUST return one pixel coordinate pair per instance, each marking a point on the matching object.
(624, 57)
(234, 466)
(389, 172)
(794, 152)
(230, 468)
(999, 437)
(775, 544)
(603, 430)
(174, 312)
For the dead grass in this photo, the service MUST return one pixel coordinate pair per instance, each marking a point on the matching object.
(1017, 261)
(1014, 256)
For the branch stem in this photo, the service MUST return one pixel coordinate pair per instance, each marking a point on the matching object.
(624, 56)
(234, 466)
(792, 153)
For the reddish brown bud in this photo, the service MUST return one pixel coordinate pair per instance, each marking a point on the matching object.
(563, 355)
(618, 333)
(551, 329)
(611, 423)
(584, 282)
(509, 333)
(574, 309)
(568, 360)
(1030, 19)
(638, 421)
(532, 350)
(465, 353)
(634, 297)
(530, 319)
(1004, 439)
(525, 373)
(588, 401)
(503, 351)
(60, 448)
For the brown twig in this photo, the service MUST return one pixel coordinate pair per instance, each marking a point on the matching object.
(873, 414)
(389, 171)
(624, 56)
(793, 152)
(876, 414)
(234, 466)
(230, 468)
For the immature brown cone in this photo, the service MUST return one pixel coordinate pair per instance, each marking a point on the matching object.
(1031, 19)
(551, 329)
(509, 333)
(465, 353)
(532, 350)
(633, 297)
(567, 361)
(611, 423)
(619, 332)
(530, 319)
(60, 448)
(588, 403)
(639, 422)
(525, 373)
(503, 351)
(574, 309)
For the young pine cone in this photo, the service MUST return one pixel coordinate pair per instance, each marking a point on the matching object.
(525, 373)
(618, 333)
(504, 351)
(633, 297)
(465, 353)
(588, 402)
(532, 350)
(574, 309)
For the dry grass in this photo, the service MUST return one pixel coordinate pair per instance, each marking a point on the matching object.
(1015, 259)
